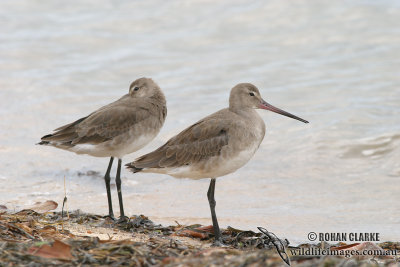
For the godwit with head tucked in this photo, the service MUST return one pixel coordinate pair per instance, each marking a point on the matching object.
(117, 129)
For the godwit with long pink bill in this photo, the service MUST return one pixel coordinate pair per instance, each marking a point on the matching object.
(214, 146)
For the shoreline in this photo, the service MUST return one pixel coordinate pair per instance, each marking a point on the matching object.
(46, 238)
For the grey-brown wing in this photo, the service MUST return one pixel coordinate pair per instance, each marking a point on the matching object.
(100, 126)
(204, 139)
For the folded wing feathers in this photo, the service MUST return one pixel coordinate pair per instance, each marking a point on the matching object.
(195, 143)
(98, 127)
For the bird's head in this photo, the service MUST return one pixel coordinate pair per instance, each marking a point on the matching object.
(246, 95)
(143, 87)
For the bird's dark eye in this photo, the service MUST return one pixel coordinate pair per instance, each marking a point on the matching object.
(136, 88)
(251, 94)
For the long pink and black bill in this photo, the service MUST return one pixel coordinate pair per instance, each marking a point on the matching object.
(265, 105)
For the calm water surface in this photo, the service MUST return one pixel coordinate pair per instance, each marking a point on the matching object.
(334, 63)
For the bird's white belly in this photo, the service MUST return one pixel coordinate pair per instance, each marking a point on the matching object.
(214, 167)
(118, 147)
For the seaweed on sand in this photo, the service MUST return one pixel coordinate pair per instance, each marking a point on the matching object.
(30, 238)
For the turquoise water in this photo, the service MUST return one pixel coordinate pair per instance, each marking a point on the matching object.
(335, 64)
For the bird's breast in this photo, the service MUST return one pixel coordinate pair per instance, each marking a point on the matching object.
(242, 146)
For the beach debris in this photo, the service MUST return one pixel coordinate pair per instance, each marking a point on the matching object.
(269, 237)
(191, 233)
(38, 239)
(43, 207)
(58, 250)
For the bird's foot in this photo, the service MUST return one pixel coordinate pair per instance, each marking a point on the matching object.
(123, 219)
(110, 217)
(219, 243)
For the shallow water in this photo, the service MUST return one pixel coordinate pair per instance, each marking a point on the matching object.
(335, 64)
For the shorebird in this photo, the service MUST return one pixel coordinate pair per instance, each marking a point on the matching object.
(117, 129)
(214, 146)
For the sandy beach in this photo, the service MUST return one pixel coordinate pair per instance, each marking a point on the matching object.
(45, 238)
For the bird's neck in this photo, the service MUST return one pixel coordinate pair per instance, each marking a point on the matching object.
(247, 113)
(253, 122)
(158, 98)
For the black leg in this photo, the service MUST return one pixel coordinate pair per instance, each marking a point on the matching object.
(211, 200)
(118, 183)
(107, 180)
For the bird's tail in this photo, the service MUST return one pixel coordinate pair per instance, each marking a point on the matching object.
(131, 166)
(43, 143)
(63, 136)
